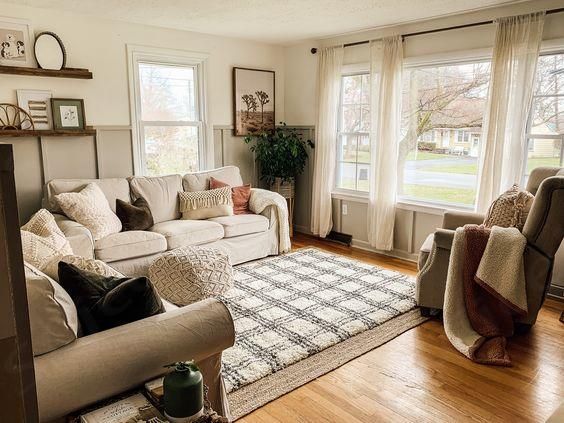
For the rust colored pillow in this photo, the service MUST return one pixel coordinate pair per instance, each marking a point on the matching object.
(240, 195)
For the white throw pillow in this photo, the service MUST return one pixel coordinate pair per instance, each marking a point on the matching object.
(52, 314)
(43, 243)
(197, 205)
(92, 265)
(90, 208)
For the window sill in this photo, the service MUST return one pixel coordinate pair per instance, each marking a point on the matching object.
(402, 204)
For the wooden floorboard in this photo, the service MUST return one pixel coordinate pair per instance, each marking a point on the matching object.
(420, 377)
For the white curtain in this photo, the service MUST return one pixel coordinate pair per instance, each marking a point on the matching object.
(515, 54)
(385, 108)
(330, 61)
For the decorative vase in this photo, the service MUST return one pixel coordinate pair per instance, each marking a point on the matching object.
(286, 189)
(183, 393)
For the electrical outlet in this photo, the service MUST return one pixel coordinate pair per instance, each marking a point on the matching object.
(345, 209)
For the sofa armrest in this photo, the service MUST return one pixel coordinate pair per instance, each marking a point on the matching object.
(269, 211)
(113, 361)
(453, 219)
(80, 238)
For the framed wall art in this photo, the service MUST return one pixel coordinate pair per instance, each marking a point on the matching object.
(38, 104)
(16, 43)
(253, 100)
(68, 114)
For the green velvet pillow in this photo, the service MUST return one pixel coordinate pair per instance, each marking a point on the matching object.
(105, 302)
(136, 216)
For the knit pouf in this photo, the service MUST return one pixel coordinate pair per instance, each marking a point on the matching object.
(189, 274)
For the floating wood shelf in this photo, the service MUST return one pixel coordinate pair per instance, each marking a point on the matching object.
(89, 131)
(63, 73)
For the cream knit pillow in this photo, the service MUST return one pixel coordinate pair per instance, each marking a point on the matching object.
(510, 209)
(43, 243)
(90, 208)
(92, 265)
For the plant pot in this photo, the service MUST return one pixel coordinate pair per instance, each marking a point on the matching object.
(285, 188)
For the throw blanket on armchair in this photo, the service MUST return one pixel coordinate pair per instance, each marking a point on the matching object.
(485, 289)
(260, 200)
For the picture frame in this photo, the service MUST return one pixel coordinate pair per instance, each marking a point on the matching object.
(254, 95)
(16, 43)
(38, 104)
(68, 114)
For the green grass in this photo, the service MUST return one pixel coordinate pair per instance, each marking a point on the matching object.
(442, 194)
(533, 162)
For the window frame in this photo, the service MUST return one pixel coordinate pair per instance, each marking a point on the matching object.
(167, 57)
(350, 70)
(553, 48)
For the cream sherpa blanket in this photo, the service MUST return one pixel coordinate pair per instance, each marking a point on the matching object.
(260, 200)
(485, 288)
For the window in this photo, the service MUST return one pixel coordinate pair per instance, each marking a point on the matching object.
(448, 101)
(353, 142)
(168, 113)
(545, 139)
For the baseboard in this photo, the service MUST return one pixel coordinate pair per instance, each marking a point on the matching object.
(363, 245)
(404, 255)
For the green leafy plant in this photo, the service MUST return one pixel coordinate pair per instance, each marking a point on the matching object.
(281, 153)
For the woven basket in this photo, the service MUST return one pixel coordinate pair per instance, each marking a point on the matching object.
(286, 189)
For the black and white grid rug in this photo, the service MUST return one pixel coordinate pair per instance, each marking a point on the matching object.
(290, 309)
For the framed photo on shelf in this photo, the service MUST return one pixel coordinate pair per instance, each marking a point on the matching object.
(253, 100)
(16, 43)
(68, 114)
(38, 104)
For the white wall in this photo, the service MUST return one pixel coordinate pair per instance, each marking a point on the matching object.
(100, 45)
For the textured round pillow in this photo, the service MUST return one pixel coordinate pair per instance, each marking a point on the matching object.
(189, 274)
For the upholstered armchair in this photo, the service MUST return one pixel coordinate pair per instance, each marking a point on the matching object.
(544, 230)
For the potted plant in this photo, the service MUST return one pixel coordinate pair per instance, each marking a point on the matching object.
(281, 155)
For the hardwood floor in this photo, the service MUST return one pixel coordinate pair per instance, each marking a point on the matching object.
(420, 377)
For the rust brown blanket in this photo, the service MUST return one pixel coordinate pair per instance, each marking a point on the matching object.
(486, 285)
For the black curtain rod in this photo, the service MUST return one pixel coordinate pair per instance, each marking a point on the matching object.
(432, 31)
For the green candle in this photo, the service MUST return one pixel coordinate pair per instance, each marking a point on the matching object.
(183, 392)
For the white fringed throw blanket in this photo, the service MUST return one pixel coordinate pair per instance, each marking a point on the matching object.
(260, 200)
(485, 290)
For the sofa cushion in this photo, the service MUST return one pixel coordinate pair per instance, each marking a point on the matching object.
(161, 194)
(90, 208)
(91, 265)
(199, 181)
(242, 224)
(113, 188)
(180, 233)
(53, 317)
(43, 243)
(130, 244)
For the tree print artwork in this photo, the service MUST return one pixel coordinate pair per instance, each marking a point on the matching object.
(254, 101)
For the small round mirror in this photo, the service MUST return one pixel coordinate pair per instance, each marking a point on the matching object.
(50, 51)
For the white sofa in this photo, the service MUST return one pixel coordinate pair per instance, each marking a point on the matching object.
(243, 237)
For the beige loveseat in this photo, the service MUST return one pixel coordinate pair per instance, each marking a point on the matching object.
(244, 237)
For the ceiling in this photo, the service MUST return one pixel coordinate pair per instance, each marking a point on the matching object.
(271, 21)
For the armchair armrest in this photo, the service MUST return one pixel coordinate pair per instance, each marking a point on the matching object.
(79, 237)
(444, 238)
(453, 219)
(116, 360)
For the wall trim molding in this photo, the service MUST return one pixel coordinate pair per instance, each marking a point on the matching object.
(363, 245)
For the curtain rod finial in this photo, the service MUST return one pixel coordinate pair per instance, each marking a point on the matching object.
(313, 50)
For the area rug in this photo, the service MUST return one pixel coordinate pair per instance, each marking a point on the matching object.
(300, 315)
